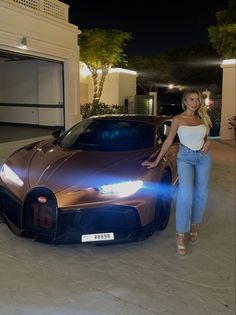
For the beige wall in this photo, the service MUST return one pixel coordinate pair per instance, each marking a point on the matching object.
(110, 94)
(47, 36)
(119, 84)
(228, 97)
(83, 93)
(127, 86)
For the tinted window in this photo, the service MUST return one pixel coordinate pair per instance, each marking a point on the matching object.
(109, 135)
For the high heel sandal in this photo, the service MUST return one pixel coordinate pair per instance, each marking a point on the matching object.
(193, 233)
(180, 243)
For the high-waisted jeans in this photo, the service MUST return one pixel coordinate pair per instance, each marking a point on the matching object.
(192, 194)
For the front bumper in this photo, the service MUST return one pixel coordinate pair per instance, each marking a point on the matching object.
(45, 222)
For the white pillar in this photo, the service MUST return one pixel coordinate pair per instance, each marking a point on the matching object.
(154, 94)
(228, 97)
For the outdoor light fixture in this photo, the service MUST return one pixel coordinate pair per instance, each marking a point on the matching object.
(23, 43)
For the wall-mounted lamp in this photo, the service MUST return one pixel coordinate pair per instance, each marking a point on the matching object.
(23, 43)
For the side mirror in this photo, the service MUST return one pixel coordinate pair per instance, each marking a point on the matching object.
(56, 133)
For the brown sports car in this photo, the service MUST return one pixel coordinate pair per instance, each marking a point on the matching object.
(88, 184)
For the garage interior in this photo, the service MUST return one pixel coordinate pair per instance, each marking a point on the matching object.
(31, 96)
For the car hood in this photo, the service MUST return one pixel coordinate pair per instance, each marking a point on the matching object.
(59, 169)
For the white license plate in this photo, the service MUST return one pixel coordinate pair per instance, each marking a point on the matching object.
(97, 237)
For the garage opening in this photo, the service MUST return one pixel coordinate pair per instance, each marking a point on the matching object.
(31, 92)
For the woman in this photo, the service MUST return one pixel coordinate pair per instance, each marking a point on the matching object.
(193, 163)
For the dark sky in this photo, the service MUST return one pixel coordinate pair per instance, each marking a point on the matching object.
(171, 24)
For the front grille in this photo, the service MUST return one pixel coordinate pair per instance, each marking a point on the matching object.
(40, 213)
(122, 220)
(40, 219)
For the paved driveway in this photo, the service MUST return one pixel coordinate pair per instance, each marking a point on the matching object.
(142, 278)
(9, 133)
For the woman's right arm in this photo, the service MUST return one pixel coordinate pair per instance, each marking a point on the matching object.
(166, 144)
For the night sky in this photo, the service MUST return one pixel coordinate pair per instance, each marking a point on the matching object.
(172, 24)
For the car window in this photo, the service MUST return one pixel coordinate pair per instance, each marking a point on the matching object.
(109, 135)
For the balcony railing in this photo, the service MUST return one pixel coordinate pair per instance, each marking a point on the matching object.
(50, 7)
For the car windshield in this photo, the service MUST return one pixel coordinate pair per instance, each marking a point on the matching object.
(109, 135)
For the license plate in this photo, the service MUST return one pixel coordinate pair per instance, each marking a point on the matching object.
(97, 237)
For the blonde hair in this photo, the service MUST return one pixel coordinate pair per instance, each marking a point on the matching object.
(201, 111)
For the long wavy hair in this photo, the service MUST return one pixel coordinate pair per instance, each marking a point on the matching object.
(201, 111)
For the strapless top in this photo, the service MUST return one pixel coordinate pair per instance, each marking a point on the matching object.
(192, 136)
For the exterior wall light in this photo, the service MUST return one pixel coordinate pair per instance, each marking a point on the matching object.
(23, 43)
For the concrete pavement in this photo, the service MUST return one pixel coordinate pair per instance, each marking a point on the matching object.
(11, 132)
(141, 278)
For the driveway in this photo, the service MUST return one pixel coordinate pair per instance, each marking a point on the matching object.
(141, 278)
(10, 132)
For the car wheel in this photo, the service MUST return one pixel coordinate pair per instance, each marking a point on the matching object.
(163, 204)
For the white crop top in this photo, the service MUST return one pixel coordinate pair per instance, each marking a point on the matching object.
(192, 136)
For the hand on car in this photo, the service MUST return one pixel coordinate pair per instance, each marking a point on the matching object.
(149, 164)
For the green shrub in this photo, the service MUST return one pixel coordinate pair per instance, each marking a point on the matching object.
(89, 109)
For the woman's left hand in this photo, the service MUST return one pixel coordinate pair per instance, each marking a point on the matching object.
(206, 147)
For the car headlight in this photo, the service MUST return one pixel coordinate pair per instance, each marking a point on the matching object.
(122, 189)
(8, 174)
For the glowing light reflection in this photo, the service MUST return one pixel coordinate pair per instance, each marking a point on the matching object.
(8, 174)
(122, 189)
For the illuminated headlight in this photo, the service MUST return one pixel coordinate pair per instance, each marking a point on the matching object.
(123, 189)
(8, 174)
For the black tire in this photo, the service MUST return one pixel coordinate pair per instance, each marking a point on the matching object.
(163, 203)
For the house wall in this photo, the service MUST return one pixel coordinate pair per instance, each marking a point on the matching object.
(46, 36)
(228, 97)
(119, 84)
(127, 86)
(111, 89)
(83, 93)
(84, 83)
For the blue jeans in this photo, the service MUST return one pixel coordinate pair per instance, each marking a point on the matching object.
(194, 172)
